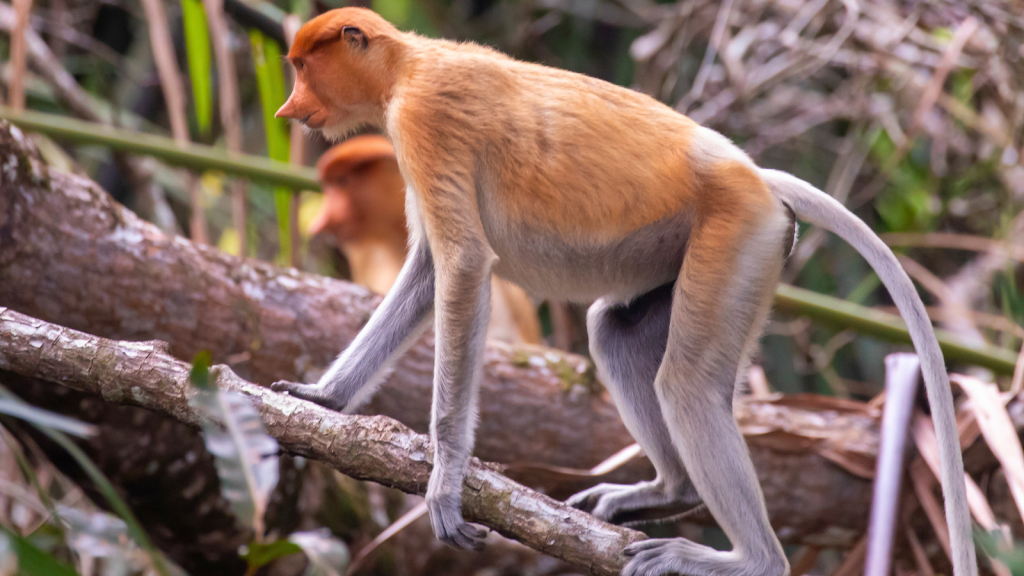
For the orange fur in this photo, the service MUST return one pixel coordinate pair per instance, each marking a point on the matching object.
(576, 188)
(364, 210)
(451, 103)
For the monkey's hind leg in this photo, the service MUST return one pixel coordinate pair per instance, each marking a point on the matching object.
(627, 343)
(721, 301)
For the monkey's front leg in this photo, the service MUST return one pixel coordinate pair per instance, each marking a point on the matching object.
(463, 308)
(403, 315)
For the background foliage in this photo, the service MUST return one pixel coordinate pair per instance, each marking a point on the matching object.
(910, 113)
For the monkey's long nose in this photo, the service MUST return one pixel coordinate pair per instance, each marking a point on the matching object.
(335, 210)
(287, 110)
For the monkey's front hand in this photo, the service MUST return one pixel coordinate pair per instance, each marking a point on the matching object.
(445, 512)
(322, 393)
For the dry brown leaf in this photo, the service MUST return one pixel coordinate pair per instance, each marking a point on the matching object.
(924, 438)
(989, 409)
(922, 480)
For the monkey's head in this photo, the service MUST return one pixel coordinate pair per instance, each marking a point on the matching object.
(345, 64)
(364, 193)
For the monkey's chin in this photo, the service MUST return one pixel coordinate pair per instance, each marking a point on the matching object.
(340, 131)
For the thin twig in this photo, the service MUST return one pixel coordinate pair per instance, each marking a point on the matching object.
(230, 109)
(924, 568)
(415, 513)
(296, 155)
(610, 464)
(955, 310)
(174, 96)
(19, 55)
(938, 79)
(807, 561)
(697, 90)
(922, 481)
(1017, 382)
(562, 330)
(854, 560)
(953, 241)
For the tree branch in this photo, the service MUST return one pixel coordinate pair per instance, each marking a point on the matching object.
(373, 448)
(70, 255)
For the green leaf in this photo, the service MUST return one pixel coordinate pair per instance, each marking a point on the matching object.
(963, 85)
(197, 50)
(909, 202)
(992, 546)
(31, 561)
(110, 494)
(258, 555)
(266, 55)
(200, 374)
(29, 473)
(302, 9)
(244, 454)
(1011, 298)
(406, 14)
(8, 555)
(104, 486)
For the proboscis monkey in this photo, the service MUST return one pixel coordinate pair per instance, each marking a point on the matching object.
(364, 209)
(578, 189)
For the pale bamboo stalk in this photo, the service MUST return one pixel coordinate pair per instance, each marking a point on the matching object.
(230, 108)
(19, 54)
(174, 96)
(902, 376)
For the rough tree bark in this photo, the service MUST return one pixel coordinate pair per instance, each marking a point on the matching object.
(70, 255)
(373, 448)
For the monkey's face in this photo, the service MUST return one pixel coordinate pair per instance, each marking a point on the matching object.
(365, 202)
(337, 215)
(343, 72)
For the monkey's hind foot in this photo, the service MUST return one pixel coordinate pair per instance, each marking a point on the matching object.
(449, 526)
(637, 504)
(659, 556)
(312, 392)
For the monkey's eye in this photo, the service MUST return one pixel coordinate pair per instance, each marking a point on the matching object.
(299, 65)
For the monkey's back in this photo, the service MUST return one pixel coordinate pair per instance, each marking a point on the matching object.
(583, 164)
(571, 150)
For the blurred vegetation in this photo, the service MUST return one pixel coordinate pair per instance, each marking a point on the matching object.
(833, 92)
(910, 113)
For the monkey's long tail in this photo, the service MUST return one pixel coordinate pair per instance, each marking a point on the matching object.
(820, 209)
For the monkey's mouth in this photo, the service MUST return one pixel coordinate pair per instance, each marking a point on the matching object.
(314, 125)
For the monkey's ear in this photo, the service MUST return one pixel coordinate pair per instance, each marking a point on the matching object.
(355, 37)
